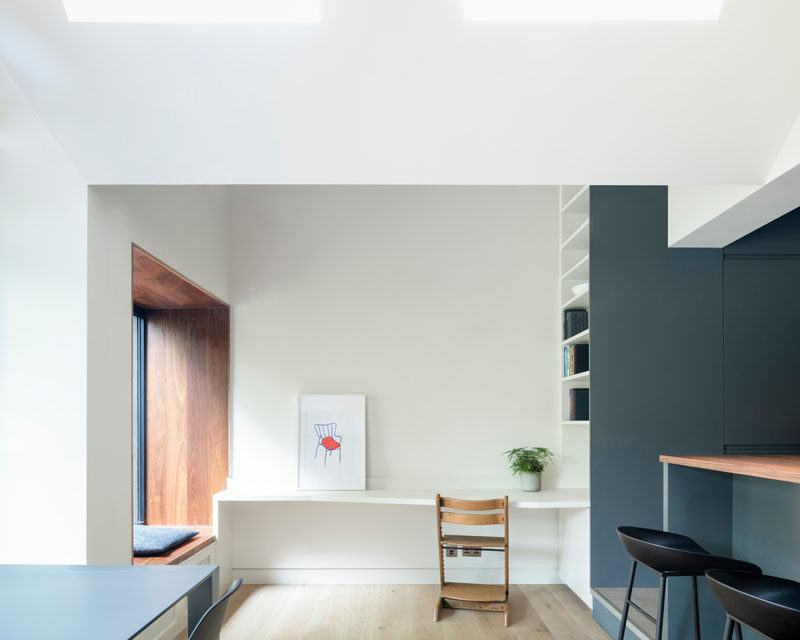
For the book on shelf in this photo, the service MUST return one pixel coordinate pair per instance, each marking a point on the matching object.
(578, 404)
(576, 359)
(575, 321)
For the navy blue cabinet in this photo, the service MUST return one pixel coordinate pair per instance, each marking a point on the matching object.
(761, 350)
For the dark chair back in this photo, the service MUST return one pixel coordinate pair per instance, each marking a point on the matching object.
(767, 604)
(661, 550)
(211, 623)
(665, 551)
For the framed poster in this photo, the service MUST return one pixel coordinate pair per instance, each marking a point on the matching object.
(332, 442)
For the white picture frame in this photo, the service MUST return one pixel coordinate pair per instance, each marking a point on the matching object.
(332, 447)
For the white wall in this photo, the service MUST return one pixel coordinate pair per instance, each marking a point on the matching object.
(716, 215)
(407, 92)
(42, 341)
(437, 302)
(691, 207)
(789, 155)
(186, 228)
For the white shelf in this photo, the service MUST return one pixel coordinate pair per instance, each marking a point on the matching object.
(579, 239)
(579, 271)
(570, 224)
(578, 338)
(573, 259)
(546, 499)
(581, 301)
(578, 204)
(578, 377)
(567, 192)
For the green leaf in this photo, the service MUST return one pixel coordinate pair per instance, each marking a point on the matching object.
(528, 459)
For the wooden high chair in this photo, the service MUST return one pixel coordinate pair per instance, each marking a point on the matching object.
(459, 595)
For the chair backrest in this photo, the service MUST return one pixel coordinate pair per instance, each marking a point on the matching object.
(768, 604)
(326, 430)
(666, 551)
(210, 624)
(499, 515)
(498, 507)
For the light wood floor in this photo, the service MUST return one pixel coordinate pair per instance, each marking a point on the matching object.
(538, 612)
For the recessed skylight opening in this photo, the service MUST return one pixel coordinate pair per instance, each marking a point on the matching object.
(237, 11)
(591, 10)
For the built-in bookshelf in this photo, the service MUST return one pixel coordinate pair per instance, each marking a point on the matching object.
(574, 272)
(582, 378)
(578, 338)
(573, 460)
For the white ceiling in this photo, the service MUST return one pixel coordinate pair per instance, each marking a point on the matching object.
(405, 91)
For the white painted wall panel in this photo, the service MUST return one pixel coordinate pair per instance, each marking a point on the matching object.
(434, 302)
(186, 228)
(42, 341)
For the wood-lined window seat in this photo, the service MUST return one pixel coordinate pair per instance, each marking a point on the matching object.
(181, 553)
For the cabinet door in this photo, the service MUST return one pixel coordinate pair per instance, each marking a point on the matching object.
(762, 351)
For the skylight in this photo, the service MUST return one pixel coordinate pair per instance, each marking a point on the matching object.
(591, 10)
(240, 11)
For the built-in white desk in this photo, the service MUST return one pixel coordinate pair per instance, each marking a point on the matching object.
(547, 499)
(386, 535)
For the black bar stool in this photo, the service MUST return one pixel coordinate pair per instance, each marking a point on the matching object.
(768, 605)
(670, 555)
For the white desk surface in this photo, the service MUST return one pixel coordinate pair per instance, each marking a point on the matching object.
(545, 499)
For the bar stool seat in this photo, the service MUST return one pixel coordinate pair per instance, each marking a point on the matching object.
(670, 555)
(767, 604)
(667, 552)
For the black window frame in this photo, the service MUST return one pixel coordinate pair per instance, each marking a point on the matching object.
(140, 415)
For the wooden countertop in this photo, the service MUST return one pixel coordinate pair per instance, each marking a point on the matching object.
(771, 467)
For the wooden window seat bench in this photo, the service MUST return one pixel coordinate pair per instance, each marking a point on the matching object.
(178, 555)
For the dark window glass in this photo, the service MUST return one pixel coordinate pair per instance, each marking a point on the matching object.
(139, 337)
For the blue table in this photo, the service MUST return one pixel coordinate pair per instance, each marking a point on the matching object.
(64, 602)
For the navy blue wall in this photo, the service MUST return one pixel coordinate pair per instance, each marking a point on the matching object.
(692, 350)
(656, 363)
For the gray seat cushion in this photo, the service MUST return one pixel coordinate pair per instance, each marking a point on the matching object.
(152, 541)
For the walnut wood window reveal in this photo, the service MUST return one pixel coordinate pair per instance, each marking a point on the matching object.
(188, 355)
(181, 443)
(139, 415)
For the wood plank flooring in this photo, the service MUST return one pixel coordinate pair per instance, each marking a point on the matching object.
(339, 612)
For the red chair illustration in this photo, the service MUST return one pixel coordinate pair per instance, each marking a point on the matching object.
(328, 439)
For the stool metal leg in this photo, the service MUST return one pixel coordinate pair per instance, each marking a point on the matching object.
(729, 624)
(662, 592)
(624, 620)
(695, 609)
(738, 628)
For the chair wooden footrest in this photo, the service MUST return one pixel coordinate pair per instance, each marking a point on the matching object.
(474, 592)
(473, 541)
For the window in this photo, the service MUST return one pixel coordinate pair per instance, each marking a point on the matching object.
(591, 10)
(139, 415)
(241, 11)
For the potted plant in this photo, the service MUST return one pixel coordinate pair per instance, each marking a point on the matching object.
(529, 462)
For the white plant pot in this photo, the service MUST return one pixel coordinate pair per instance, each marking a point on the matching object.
(530, 481)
